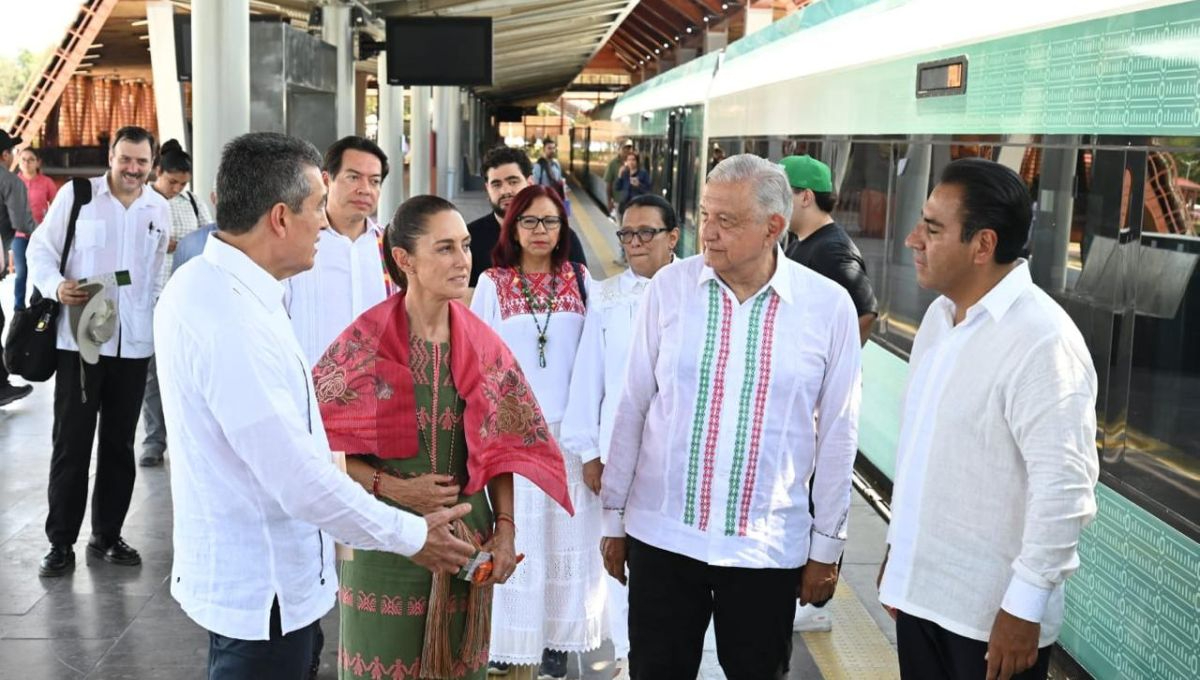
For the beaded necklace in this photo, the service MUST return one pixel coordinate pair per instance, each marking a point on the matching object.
(542, 328)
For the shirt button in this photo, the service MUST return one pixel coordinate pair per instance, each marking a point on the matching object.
(322, 581)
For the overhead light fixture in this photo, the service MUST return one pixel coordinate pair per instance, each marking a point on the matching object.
(666, 45)
(139, 22)
(724, 5)
(657, 50)
(706, 18)
(689, 29)
(677, 37)
(95, 46)
(143, 37)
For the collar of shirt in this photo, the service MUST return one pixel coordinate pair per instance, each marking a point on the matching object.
(265, 287)
(779, 281)
(373, 228)
(101, 187)
(999, 299)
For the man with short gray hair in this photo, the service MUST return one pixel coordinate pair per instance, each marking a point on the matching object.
(253, 482)
(706, 493)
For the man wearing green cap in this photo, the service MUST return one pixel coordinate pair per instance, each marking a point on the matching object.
(820, 243)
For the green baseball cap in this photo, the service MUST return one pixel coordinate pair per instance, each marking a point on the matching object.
(806, 172)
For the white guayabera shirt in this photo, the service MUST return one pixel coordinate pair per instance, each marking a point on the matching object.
(997, 466)
(729, 411)
(252, 476)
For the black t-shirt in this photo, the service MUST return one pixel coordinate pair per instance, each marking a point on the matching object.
(830, 252)
(485, 234)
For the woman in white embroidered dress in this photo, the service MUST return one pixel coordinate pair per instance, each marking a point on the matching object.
(649, 232)
(535, 299)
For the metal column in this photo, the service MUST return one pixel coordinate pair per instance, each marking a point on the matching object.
(419, 170)
(335, 30)
(168, 94)
(220, 84)
(454, 126)
(391, 140)
(472, 135)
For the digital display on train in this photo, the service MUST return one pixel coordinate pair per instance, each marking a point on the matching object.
(942, 78)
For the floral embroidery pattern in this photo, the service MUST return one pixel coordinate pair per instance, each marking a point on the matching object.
(395, 605)
(346, 357)
(366, 602)
(512, 298)
(377, 669)
(516, 412)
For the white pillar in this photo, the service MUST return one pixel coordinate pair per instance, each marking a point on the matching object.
(715, 41)
(419, 144)
(391, 136)
(335, 30)
(442, 106)
(454, 143)
(758, 18)
(168, 93)
(220, 84)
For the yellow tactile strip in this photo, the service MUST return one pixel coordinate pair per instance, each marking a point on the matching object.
(588, 230)
(855, 649)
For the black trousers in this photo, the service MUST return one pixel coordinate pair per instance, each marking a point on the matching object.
(109, 392)
(283, 657)
(3, 369)
(672, 598)
(929, 652)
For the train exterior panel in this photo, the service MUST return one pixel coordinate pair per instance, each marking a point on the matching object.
(1097, 105)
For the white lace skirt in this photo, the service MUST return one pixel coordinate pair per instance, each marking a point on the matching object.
(556, 598)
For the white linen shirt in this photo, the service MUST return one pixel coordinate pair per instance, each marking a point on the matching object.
(252, 476)
(108, 237)
(729, 409)
(600, 364)
(347, 279)
(997, 465)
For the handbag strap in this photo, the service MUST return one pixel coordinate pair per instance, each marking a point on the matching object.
(83, 195)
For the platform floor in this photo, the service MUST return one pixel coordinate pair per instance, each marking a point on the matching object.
(111, 622)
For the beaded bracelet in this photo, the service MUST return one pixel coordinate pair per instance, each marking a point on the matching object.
(375, 484)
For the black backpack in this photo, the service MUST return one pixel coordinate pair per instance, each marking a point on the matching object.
(31, 348)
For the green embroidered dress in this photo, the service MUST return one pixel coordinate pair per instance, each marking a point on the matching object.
(383, 598)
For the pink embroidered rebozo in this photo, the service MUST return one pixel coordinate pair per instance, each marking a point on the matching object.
(364, 386)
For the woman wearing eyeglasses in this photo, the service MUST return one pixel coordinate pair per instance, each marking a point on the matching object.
(536, 300)
(649, 232)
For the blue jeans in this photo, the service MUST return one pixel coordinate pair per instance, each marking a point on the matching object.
(19, 244)
(283, 657)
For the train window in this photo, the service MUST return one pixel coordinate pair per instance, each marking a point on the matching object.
(1152, 454)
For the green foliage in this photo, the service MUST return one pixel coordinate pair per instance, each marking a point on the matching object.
(15, 72)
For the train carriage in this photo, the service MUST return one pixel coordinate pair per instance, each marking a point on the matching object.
(1097, 106)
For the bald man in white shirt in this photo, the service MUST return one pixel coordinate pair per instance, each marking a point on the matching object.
(997, 464)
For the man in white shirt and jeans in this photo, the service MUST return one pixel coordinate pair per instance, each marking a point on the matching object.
(347, 277)
(254, 487)
(997, 464)
(743, 384)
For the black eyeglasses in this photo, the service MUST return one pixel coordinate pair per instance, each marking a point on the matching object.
(529, 222)
(644, 235)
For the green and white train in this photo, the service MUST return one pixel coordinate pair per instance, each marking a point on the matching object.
(1096, 103)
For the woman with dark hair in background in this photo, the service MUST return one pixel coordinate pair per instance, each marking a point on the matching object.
(535, 299)
(41, 190)
(172, 173)
(432, 407)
